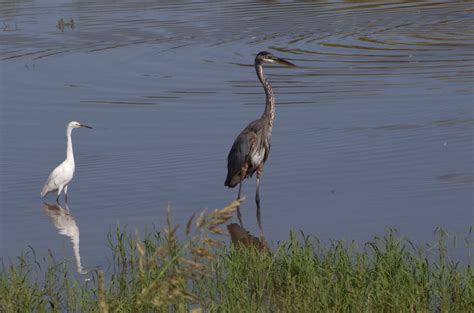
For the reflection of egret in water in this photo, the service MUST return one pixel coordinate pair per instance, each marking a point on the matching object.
(66, 225)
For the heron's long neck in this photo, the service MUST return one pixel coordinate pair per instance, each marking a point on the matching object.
(269, 112)
(69, 151)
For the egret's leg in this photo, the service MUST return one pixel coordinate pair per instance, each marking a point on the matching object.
(60, 189)
(65, 192)
(257, 201)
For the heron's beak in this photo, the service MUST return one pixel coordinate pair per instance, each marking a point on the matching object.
(284, 62)
(82, 125)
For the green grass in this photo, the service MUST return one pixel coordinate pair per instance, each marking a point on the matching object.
(161, 273)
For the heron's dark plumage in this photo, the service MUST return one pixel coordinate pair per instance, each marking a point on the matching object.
(253, 140)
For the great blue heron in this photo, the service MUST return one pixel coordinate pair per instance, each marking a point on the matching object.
(61, 176)
(252, 146)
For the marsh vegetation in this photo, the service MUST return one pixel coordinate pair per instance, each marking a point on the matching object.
(198, 271)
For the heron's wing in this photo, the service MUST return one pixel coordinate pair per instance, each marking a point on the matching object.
(240, 152)
(257, 131)
(267, 153)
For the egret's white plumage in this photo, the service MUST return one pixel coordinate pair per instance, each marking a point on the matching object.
(61, 176)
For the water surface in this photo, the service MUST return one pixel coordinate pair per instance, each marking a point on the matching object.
(374, 128)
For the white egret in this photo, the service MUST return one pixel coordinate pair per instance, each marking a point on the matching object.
(61, 176)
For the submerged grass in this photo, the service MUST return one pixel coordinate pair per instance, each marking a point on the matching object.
(163, 273)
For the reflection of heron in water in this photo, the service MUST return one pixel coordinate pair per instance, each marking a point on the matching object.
(242, 238)
(66, 225)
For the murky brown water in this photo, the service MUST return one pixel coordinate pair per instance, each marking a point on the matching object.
(374, 128)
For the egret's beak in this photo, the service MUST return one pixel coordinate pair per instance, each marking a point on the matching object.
(284, 62)
(82, 125)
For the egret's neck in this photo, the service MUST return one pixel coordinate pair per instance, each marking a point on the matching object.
(269, 112)
(69, 151)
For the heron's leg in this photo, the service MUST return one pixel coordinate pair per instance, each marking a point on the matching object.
(240, 189)
(243, 172)
(257, 201)
(239, 215)
(65, 192)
